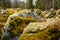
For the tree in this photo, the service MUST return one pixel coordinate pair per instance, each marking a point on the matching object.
(59, 4)
(47, 4)
(21, 5)
(30, 4)
(40, 4)
(5, 3)
(15, 4)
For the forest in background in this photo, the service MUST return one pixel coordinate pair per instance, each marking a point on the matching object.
(28, 4)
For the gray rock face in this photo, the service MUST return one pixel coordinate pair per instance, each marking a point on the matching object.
(36, 17)
(29, 14)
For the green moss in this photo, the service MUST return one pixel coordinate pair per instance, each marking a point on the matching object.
(50, 33)
(18, 24)
(42, 35)
(3, 19)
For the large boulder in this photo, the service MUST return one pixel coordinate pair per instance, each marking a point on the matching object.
(49, 30)
(14, 26)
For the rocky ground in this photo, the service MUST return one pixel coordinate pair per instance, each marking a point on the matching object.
(26, 25)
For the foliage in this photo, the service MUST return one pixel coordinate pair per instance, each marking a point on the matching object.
(5, 4)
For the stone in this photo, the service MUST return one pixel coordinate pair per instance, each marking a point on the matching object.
(50, 32)
(14, 27)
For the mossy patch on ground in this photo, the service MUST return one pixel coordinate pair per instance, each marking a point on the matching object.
(52, 32)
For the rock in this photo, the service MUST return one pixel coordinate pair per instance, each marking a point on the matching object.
(52, 13)
(38, 12)
(36, 17)
(50, 32)
(3, 12)
(14, 27)
(29, 15)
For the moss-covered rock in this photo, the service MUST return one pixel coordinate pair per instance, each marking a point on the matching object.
(50, 31)
(14, 26)
(3, 19)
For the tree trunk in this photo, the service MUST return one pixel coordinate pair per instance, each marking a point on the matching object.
(53, 3)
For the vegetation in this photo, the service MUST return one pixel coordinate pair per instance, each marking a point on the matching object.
(51, 32)
(5, 3)
(29, 19)
(29, 4)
